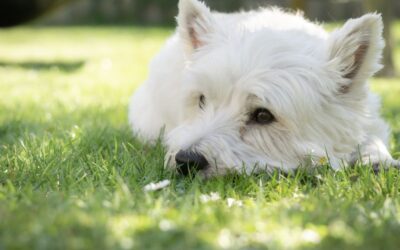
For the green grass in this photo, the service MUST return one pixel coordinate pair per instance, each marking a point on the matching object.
(72, 175)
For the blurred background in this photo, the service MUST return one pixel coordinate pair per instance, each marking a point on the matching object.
(162, 12)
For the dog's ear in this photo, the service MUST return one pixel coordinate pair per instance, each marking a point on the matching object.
(355, 51)
(195, 23)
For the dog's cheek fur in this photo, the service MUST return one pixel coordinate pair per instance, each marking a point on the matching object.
(272, 143)
(227, 147)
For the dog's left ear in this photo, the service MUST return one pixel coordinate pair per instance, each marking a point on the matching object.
(355, 51)
(195, 23)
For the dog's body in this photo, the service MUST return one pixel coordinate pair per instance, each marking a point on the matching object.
(262, 90)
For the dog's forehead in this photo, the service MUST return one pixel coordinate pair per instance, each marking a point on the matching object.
(268, 49)
(249, 60)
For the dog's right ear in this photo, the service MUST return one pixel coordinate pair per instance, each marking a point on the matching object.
(195, 23)
(355, 51)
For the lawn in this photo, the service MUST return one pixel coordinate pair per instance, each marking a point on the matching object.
(72, 176)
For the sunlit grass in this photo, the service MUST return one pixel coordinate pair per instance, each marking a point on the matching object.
(72, 175)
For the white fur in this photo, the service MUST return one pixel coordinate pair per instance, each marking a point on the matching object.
(315, 84)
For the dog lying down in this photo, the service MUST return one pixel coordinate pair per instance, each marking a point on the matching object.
(263, 90)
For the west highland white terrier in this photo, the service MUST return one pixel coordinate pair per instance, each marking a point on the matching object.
(263, 90)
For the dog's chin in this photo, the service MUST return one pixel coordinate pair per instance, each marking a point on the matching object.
(213, 172)
(218, 167)
(209, 173)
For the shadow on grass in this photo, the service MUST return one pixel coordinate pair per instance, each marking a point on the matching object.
(62, 122)
(12, 130)
(63, 66)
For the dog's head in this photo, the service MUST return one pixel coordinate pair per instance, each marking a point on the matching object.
(271, 90)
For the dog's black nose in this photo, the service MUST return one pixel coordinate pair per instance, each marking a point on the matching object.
(190, 162)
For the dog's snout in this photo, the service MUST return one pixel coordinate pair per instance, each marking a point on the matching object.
(189, 162)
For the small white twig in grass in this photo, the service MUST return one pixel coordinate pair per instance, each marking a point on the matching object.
(156, 186)
(233, 202)
(213, 196)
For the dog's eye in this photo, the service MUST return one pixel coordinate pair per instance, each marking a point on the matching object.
(262, 116)
(202, 101)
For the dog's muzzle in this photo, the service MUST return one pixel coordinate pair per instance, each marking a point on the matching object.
(190, 162)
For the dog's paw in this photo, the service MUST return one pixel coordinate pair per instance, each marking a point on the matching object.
(378, 166)
(395, 163)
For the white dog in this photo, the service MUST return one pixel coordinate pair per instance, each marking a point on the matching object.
(260, 90)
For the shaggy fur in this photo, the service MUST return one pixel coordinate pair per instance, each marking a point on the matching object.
(218, 69)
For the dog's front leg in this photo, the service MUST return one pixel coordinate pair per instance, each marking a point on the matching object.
(375, 153)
